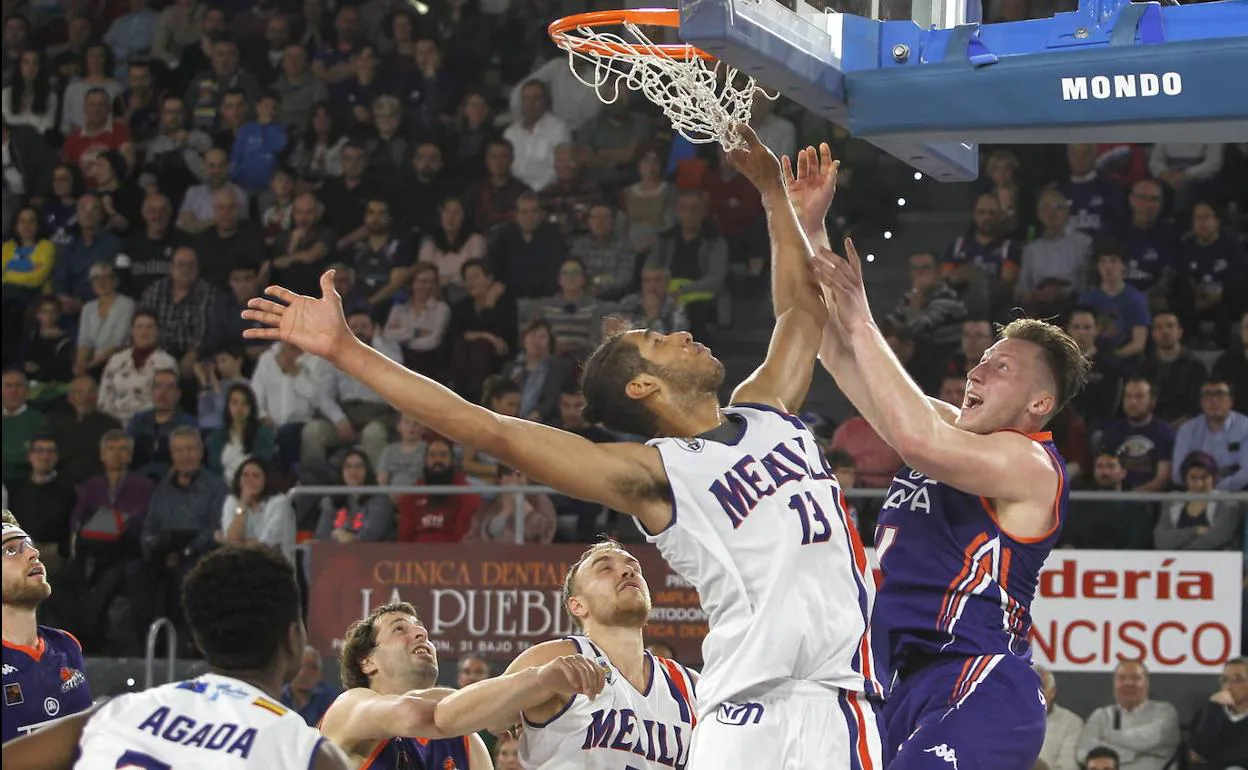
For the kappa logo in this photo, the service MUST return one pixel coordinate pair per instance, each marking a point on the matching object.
(9, 669)
(945, 752)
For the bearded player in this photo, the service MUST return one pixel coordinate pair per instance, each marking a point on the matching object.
(43, 667)
(967, 525)
(644, 717)
(738, 499)
(387, 718)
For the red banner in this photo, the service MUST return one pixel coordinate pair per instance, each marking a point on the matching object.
(490, 600)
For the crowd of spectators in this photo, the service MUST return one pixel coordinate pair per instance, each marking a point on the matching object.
(484, 213)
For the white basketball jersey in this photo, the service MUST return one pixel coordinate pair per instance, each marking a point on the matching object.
(622, 727)
(212, 722)
(759, 528)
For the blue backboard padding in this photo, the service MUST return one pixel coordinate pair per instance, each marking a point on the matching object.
(804, 69)
(1025, 98)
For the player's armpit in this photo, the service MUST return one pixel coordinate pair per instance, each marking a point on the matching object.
(1009, 469)
(360, 715)
(783, 379)
(53, 748)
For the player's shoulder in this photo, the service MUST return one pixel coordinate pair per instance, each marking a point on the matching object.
(60, 639)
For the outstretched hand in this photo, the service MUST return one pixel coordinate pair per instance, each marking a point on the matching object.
(756, 161)
(573, 675)
(315, 325)
(813, 186)
(841, 278)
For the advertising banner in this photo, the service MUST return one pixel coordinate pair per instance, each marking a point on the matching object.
(1179, 612)
(490, 600)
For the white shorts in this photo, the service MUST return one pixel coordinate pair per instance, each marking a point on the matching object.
(795, 726)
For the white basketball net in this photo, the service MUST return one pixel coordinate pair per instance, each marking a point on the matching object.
(702, 101)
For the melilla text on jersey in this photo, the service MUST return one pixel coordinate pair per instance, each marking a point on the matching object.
(621, 730)
(741, 487)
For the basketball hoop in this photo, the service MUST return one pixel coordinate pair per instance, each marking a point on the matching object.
(702, 97)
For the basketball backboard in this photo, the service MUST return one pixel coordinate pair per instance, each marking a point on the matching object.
(926, 81)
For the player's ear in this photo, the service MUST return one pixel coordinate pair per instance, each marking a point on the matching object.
(1043, 404)
(643, 386)
(576, 607)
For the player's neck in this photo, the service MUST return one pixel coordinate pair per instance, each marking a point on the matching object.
(625, 649)
(269, 682)
(400, 686)
(692, 418)
(20, 627)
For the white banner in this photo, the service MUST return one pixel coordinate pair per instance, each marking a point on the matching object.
(1178, 611)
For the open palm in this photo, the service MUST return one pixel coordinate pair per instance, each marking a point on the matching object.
(813, 186)
(315, 325)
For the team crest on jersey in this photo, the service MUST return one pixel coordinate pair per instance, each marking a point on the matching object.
(71, 678)
(606, 669)
(13, 694)
(691, 444)
(449, 764)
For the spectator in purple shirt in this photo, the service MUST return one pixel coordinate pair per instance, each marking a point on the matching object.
(1097, 205)
(1211, 266)
(1152, 244)
(1146, 444)
(1121, 310)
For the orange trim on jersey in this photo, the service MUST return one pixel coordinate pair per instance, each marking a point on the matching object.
(674, 672)
(1057, 497)
(71, 636)
(372, 757)
(1041, 437)
(35, 652)
(863, 748)
(969, 563)
(964, 684)
(1003, 579)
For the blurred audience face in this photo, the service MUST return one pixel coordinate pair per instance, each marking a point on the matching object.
(428, 58)
(244, 284)
(1111, 269)
(1205, 223)
(690, 210)
(347, 23)
(410, 430)
(224, 58)
(452, 216)
(472, 670)
(354, 162)
(172, 116)
(571, 277)
(95, 110)
(96, 60)
(213, 24)
(1215, 400)
(1053, 211)
(1101, 763)
(362, 326)
(84, 395)
(277, 32)
(266, 110)
(377, 218)
(566, 167)
(143, 332)
(654, 282)
(90, 212)
(476, 109)
(1081, 158)
(16, 388)
(987, 215)
(528, 213)
(439, 462)
(427, 162)
(570, 406)
(354, 470)
(294, 61)
(923, 275)
(601, 221)
(476, 281)
(42, 456)
(650, 166)
(507, 404)
(1199, 479)
(225, 214)
(116, 454)
(184, 268)
(1235, 681)
(1108, 472)
(62, 181)
(1167, 334)
(1002, 169)
(156, 212)
(306, 211)
(1137, 400)
(953, 391)
(217, 167)
(1145, 200)
(1082, 329)
(165, 391)
(238, 406)
(186, 454)
(1130, 684)
(424, 283)
(27, 226)
(309, 672)
(140, 78)
(498, 160)
(976, 337)
(537, 344)
(234, 110)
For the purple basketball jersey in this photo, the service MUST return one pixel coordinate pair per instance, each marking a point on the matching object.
(418, 754)
(954, 584)
(43, 683)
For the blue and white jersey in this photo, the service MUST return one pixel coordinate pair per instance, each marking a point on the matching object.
(759, 528)
(212, 722)
(623, 727)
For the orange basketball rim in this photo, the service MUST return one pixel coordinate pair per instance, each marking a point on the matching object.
(563, 33)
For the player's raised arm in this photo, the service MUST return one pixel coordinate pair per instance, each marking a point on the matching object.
(626, 477)
(1005, 466)
(784, 377)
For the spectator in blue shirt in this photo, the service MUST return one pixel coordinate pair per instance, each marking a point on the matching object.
(91, 244)
(307, 694)
(258, 145)
(1121, 309)
(1221, 432)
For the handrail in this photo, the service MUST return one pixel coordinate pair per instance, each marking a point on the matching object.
(860, 494)
(171, 650)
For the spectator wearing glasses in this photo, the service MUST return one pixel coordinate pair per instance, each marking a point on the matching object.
(48, 498)
(1152, 243)
(1144, 733)
(1220, 739)
(931, 310)
(1219, 431)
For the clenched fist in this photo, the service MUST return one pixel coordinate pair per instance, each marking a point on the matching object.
(573, 674)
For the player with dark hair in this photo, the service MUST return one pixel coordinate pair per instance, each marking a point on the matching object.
(392, 717)
(967, 525)
(738, 499)
(242, 604)
(43, 667)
